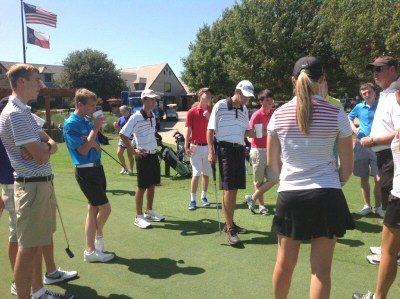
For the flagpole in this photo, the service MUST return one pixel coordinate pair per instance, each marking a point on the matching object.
(23, 31)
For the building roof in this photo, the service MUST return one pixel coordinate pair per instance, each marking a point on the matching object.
(56, 70)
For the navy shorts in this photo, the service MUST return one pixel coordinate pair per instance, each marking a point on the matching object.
(148, 171)
(93, 184)
(232, 167)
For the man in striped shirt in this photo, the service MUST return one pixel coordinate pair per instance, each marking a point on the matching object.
(29, 149)
(143, 126)
(229, 123)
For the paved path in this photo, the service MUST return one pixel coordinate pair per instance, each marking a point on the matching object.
(168, 128)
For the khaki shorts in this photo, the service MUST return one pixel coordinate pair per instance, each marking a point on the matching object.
(8, 198)
(258, 159)
(35, 204)
(200, 163)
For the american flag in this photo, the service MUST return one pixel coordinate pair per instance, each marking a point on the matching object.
(37, 15)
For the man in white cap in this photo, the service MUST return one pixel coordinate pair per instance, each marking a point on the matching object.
(229, 122)
(143, 127)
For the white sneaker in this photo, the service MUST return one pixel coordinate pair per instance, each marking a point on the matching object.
(59, 275)
(99, 243)
(365, 211)
(14, 289)
(141, 222)
(263, 210)
(380, 212)
(123, 171)
(375, 250)
(152, 216)
(97, 256)
(374, 259)
(251, 203)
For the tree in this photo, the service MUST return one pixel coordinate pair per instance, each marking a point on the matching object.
(92, 69)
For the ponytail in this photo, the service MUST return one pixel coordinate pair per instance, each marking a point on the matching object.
(305, 87)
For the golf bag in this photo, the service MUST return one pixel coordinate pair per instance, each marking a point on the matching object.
(180, 145)
(183, 168)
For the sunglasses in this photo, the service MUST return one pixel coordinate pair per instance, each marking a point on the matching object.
(377, 69)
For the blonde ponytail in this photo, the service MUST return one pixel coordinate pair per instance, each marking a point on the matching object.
(305, 88)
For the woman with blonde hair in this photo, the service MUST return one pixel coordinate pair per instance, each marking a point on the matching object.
(310, 204)
(125, 115)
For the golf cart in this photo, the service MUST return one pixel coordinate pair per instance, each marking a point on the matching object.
(171, 112)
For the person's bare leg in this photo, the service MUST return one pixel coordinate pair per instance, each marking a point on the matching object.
(205, 182)
(229, 206)
(365, 190)
(48, 256)
(12, 253)
(120, 153)
(150, 197)
(288, 252)
(37, 282)
(131, 161)
(139, 201)
(194, 184)
(321, 263)
(90, 227)
(388, 265)
(378, 192)
(23, 271)
(102, 216)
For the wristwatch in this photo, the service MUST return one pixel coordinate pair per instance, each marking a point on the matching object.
(372, 142)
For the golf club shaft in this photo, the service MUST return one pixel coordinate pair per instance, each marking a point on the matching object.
(216, 195)
(62, 223)
(111, 157)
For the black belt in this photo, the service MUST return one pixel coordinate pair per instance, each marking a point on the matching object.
(229, 144)
(200, 144)
(35, 179)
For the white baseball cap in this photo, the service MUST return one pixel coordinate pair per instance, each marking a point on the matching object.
(246, 87)
(149, 93)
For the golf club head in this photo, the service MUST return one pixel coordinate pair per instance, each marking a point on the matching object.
(69, 252)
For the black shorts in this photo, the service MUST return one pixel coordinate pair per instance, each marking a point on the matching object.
(392, 214)
(148, 171)
(386, 172)
(314, 213)
(93, 184)
(232, 168)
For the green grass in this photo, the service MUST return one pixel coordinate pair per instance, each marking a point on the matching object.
(182, 257)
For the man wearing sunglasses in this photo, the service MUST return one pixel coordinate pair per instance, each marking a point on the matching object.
(384, 70)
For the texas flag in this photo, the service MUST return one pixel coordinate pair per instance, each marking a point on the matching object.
(38, 38)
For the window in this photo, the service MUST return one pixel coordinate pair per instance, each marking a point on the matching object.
(167, 87)
(139, 86)
(47, 78)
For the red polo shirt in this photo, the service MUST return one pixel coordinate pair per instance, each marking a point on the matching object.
(198, 123)
(259, 117)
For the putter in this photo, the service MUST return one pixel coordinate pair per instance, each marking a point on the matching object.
(67, 250)
(216, 198)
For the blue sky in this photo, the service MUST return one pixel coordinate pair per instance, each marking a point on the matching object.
(131, 32)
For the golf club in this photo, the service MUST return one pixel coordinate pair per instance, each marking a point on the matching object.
(112, 157)
(67, 250)
(216, 198)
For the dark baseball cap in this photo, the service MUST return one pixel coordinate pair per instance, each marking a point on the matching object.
(381, 61)
(204, 89)
(312, 64)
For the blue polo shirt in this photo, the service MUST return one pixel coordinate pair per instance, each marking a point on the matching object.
(365, 117)
(6, 170)
(74, 128)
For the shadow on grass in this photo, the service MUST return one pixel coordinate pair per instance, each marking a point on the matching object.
(366, 227)
(350, 242)
(87, 292)
(121, 192)
(161, 268)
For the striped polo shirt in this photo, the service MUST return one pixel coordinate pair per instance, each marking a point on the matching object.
(228, 122)
(143, 129)
(308, 160)
(17, 128)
